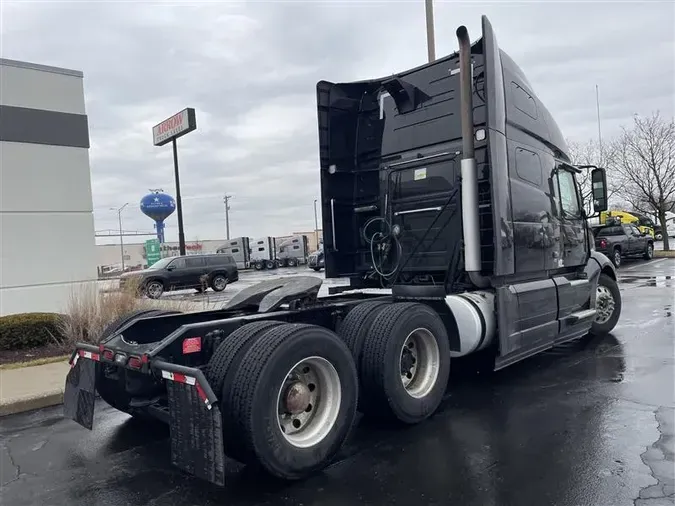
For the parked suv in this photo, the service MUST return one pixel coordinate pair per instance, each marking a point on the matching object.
(621, 241)
(179, 273)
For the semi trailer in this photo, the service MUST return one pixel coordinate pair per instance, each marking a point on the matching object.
(267, 252)
(450, 185)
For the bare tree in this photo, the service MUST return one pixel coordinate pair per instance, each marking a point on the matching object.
(591, 153)
(643, 161)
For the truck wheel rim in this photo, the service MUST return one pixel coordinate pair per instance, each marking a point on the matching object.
(617, 258)
(219, 283)
(308, 402)
(419, 362)
(155, 289)
(604, 304)
(650, 251)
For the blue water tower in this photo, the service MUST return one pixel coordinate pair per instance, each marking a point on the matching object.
(158, 206)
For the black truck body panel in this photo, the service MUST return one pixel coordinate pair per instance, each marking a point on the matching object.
(374, 150)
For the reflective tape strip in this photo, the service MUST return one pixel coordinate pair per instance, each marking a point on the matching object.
(202, 396)
(188, 380)
(89, 355)
(75, 359)
(179, 378)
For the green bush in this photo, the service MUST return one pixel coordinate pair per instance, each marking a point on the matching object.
(30, 330)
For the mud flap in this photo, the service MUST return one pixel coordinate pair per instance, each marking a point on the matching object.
(80, 392)
(196, 434)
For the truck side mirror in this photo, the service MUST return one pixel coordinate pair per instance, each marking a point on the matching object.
(599, 185)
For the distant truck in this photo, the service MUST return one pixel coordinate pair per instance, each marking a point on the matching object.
(266, 252)
(644, 223)
(293, 251)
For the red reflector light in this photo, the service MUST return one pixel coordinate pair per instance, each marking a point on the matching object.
(108, 355)
(192, 345)
(135, 362)
(603, 243)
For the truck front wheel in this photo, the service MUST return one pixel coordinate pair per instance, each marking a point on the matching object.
(607, 305)
(292, 402)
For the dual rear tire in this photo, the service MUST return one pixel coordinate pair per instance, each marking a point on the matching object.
(288, 393)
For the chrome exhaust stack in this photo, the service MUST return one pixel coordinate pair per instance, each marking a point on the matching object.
(470, 221)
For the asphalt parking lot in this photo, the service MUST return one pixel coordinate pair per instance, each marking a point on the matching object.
(588, 424)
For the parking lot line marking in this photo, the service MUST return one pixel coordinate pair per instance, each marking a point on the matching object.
(652, 262)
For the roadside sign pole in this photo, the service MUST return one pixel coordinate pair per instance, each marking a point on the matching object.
(168, 131)
(179, 204)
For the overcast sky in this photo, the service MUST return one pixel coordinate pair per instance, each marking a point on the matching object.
(250, 70)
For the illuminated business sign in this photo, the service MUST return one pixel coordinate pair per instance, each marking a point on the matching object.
(176, 126)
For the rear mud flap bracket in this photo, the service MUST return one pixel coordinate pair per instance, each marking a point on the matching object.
(196, 434)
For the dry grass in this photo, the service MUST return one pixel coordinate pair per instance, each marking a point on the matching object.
(90, 310)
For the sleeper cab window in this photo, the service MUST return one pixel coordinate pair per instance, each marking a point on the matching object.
(528, 166)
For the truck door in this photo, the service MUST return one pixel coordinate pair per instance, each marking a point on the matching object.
(638, 243)
(572, 227)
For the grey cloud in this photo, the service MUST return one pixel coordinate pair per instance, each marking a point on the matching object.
(250, 70)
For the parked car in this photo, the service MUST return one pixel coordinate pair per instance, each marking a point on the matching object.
(184, 272)
(623, 241)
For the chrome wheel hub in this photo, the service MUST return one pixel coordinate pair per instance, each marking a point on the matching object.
(419, 363)
(308, 402)
(604, 304)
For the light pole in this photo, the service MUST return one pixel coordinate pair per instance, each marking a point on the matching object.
(431, 39)
(119, 219)
(316, 226)
(226, 200)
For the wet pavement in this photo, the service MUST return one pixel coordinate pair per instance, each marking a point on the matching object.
(588, 424)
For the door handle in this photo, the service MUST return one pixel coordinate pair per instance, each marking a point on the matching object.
(413, 211)
(332, 220)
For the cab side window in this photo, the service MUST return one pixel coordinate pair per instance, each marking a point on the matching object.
(635, 231)
(178, 263)
(569, 198)
(193, 262)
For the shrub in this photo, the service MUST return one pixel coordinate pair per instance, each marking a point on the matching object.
(30, 330)
(90, 310)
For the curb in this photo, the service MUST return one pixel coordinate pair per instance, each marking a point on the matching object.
(23, 404)
(664, 254)
(32, 363)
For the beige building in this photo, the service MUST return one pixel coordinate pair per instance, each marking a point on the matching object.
(47, 246)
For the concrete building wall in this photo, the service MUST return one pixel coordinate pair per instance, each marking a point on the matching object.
(47, 246)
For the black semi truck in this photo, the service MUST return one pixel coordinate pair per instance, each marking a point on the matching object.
(449, 184)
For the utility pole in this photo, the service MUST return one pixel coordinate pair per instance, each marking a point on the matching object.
(597, 104)
(316, 226)
(431, 39)
(119, 219)
(226, 201)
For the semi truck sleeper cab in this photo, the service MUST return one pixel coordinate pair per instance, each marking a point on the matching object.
(450, 203)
